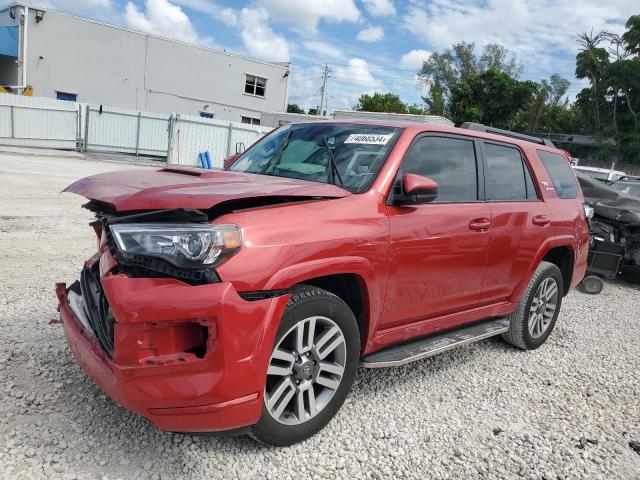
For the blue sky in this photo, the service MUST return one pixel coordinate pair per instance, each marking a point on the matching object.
(370, 45)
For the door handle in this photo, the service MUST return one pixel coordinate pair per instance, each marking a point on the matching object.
(541, 220)
(480, 224)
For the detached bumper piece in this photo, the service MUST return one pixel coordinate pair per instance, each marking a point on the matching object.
(190, 358)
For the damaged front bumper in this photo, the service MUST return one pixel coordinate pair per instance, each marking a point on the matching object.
(189, 358)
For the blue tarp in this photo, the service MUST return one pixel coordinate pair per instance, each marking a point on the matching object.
(9, 41)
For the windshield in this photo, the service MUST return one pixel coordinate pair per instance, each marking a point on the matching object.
(594, 174)
(347, 155)
(628, 188)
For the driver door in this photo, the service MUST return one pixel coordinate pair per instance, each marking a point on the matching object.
(438, 251)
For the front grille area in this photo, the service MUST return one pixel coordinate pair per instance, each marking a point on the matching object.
(97, 308)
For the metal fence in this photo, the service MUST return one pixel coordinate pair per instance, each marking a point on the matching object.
(125, 131)
(38, 122)
(43, 122)
(190, 135)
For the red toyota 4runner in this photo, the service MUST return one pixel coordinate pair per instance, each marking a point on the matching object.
(245, 299)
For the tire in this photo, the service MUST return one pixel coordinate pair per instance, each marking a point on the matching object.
(525, 331)
(310, 309)
(591, 284)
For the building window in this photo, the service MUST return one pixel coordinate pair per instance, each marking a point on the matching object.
(255, 85)
(69, 97)
(250, 120)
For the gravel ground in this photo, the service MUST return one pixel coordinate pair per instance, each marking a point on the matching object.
(567, 410)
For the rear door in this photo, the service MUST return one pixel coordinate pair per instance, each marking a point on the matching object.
(520, 219)
(438, 250)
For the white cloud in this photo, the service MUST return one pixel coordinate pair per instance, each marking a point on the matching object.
(163, 18)
(306, 14)
(537, 31)
(413, 59)
(324, 49)
(228, 17)
(370, 34)
(258, 37)
(225, 15)
(83, 5)
(380, 8)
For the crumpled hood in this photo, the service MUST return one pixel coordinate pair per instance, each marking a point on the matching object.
(608, 202)
(191, 188)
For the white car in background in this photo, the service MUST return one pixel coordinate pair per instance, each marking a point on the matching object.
(602, 174)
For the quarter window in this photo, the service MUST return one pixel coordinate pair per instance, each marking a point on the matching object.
(451, 162)
(560, 172)
(506, 174)
(254, 85)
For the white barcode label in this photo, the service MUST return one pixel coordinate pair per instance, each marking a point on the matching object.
(368, 139)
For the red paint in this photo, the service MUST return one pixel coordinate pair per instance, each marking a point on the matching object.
(416, 183)
(421, 269)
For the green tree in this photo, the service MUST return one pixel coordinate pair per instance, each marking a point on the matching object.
(631, 37)
(591, 62)
(381, 102)
(491, 97)
(294, 108)
(313, 111)
(444, 71)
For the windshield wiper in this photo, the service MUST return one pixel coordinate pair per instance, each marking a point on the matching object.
(271, 165)
(332, 163)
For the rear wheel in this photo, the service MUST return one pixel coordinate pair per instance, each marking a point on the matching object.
(311, 368)
(536, 315)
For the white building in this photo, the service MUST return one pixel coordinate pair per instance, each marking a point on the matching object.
(72, 58)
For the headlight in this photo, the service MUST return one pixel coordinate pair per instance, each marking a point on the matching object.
(588, 211)
(185, 246)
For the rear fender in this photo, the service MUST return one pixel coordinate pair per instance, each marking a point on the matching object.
(547, 245)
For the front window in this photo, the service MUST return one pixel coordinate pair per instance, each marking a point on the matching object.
(254, 85)
(347, 155)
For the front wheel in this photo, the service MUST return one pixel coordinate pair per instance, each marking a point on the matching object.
(311, 368)
(533, 321)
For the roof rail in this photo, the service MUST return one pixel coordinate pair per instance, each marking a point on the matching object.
(478, 127)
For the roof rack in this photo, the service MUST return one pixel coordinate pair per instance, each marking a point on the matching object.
(478, 127)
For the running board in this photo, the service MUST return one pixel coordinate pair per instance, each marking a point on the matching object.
(427, 347)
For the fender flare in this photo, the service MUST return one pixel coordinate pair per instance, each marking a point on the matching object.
(299, 272)
(547, 245)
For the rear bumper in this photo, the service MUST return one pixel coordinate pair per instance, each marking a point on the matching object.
(220, 391)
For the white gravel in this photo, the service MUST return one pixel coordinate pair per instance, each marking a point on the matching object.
(567, 410)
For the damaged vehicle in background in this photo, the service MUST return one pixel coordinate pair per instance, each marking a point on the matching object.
(244, 300)
(615, 229)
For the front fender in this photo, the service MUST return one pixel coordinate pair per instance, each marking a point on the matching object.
(305, 271)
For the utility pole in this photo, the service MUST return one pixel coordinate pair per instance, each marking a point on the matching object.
(325, 77)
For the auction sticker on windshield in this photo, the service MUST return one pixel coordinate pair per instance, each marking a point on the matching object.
(369, 139)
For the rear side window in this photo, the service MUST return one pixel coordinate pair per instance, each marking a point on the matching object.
(451, 162)
(560, 172)
(506, 176)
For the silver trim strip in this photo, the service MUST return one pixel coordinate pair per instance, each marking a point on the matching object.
(441, 343)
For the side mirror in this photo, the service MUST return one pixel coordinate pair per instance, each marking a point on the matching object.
(414, 189)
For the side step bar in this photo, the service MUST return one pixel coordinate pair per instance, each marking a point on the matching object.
(427, 347)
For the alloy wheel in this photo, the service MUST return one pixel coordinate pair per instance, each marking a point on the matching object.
(543, 307)
(305, 370)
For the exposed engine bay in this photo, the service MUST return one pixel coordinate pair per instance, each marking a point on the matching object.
(616, 219)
